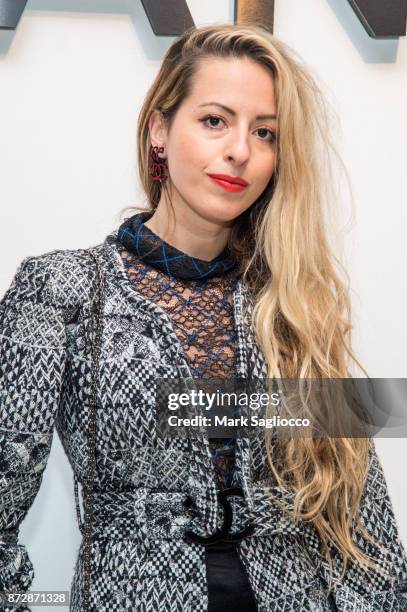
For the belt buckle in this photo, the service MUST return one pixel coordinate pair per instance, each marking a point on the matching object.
(223, 535)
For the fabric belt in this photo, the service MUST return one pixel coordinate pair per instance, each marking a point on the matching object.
(144, 514)
(137, 514)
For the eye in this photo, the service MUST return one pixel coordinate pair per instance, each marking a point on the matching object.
(214, 119)
(205, 119)
(272, 134)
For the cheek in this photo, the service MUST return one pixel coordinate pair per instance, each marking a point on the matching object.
(189, 159)
(263, 172)
(266, 167)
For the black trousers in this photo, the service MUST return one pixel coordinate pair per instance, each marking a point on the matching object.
(228, 587)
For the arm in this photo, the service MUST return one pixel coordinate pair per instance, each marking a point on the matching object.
(32, 361)
(370, 591)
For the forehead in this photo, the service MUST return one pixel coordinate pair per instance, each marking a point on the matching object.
(240, 83)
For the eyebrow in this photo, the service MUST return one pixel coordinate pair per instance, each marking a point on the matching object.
(233, 113)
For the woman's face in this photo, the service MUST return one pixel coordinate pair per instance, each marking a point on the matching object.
(217, 130)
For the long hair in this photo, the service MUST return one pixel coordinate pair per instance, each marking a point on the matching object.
(301, 314)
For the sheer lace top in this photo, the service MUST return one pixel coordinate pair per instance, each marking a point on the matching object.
(202, 316)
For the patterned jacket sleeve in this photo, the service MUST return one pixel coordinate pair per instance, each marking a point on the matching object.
(32, 361)
(371, 591)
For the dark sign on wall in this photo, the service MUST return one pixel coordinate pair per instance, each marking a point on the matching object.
(381, 19)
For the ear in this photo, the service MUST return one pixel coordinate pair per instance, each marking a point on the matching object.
(158, 130)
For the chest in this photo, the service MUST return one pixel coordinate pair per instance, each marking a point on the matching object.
(139, 348)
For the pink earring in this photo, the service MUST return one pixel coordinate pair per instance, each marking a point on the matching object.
(157, 165)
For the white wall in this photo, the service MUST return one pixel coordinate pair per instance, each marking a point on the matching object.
(72, 78)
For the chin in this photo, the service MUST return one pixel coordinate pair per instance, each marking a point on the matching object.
(222, 218)
(223, 214)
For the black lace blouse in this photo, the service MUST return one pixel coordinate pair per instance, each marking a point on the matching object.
(197, 294)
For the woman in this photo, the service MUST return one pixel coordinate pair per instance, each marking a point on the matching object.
(226, 273)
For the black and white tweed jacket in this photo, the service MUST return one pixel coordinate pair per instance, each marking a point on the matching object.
(140, 558)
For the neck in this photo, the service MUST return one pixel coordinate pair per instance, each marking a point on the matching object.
(150, 248)
(192, 234)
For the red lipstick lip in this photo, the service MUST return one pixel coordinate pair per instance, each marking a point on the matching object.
(231, 179)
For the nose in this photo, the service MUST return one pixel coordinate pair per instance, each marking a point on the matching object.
(237, 147)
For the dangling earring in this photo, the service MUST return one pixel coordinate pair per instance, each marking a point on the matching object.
(157, 165)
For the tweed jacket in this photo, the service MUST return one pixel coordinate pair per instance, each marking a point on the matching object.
(140, 558)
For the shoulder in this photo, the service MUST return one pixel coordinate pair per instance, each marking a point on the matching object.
(60, 278)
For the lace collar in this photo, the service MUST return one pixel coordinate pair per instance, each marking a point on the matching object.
(150, 248)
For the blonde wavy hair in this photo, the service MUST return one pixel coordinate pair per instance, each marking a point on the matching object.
(301, 313)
